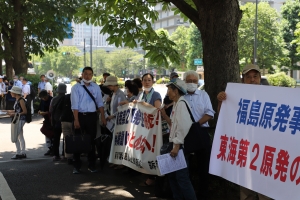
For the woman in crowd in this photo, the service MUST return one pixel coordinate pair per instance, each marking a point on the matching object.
(179, 123)
(20, 108)
(151, 97)
(10, 101)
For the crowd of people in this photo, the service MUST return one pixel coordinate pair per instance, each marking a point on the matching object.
(90, 104)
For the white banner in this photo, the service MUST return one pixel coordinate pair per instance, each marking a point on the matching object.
(137, 138)
(256, 143)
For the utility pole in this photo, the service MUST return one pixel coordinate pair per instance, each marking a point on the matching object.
(91, 47)
(84, 52)
(255, 36)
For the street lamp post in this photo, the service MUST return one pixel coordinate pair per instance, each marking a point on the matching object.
(255, 36)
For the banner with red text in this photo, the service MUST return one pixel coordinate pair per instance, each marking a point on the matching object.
(137, 138)
(256, 143)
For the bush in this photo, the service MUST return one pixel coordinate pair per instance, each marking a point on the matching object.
(159, 81)
(121, 84)
(281, 79)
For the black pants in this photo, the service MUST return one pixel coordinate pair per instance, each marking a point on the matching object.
(56, 138)
(88, 125)
(203, 157)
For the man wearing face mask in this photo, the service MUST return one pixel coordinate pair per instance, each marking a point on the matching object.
(17, 82)
(202, 111)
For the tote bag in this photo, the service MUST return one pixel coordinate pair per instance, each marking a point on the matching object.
(14, 127)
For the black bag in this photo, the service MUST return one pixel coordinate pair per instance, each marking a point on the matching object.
(103, 144)
(28, 116)
(32, 92)
(197, 137)
(79, 143)
(166, 148)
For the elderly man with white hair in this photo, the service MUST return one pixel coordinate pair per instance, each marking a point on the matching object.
(202, 111)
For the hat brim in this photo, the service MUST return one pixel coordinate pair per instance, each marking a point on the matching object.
(170, 83)
(110, 83)
(15, 92)
(248, 70)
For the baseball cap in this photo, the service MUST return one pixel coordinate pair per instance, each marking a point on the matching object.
(250, 67)
(173, 74)
(180, 84)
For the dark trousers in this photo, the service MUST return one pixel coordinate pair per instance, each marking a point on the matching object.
(88, 125)
(203, 157)
(56, 138)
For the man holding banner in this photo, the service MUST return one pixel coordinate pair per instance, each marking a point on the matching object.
(250, 75)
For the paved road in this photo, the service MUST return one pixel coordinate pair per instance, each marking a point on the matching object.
(38, 177)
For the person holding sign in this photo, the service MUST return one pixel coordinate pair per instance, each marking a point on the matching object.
(180, 124)
(151, 97)
(250, 75)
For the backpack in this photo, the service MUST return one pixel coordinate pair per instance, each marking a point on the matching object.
(28, 117)
(32, 92)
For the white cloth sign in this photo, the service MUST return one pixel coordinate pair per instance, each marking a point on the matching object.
(137, 138)
(256, 143)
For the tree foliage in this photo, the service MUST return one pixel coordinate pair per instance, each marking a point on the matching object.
(32, 27)
(195, 49)
(281, 79)
(290, 30)
(270, 49)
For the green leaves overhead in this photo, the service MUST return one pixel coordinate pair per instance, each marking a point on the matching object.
(128, 23)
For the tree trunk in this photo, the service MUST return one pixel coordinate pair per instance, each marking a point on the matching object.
(20, 62)
(9, 68)
(218, 24)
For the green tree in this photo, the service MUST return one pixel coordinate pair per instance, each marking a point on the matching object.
(179, 37)
(32, 27)
(129, 23)
(290, 18)
(195, 49)
(270, 49)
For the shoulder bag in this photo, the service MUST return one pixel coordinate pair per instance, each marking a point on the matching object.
(14, 127)
(197, 137)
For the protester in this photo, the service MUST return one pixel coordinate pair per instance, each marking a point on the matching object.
(132, 92)
(127, 82)
(105, 75)
(173, 75)
(56, 112)
(139, 84)
(202, 111)
(250, 75)
(151, 97)
(17, 82)
(85, 109)
(179, 123)
(2, 92)
(42, 83)
(20, 108)
(10, 101)
(44, 111)
(48, 87)
(67, 122)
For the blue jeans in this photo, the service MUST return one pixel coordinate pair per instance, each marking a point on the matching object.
(181, 185)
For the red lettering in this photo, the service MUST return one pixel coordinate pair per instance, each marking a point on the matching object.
(293, 171)
(232, 150)
(266, 165)
(252, 166)
(282, 163)
(243, 150)
(223, 147)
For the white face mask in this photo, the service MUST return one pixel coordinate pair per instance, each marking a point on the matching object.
(86, 81)
(191, 87)
(15, 80)
(125, 91)
(147, 89)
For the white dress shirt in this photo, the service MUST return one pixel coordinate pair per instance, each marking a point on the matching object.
(200, 105)
(25, 89)
(48, 87)
(2, 88)
(181, 122)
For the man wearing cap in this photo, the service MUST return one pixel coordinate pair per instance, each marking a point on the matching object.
(173, 75)
(2, 92)
(250, 75)
(202, 111)
(56, 112)
(86, 100)
(17, 82)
